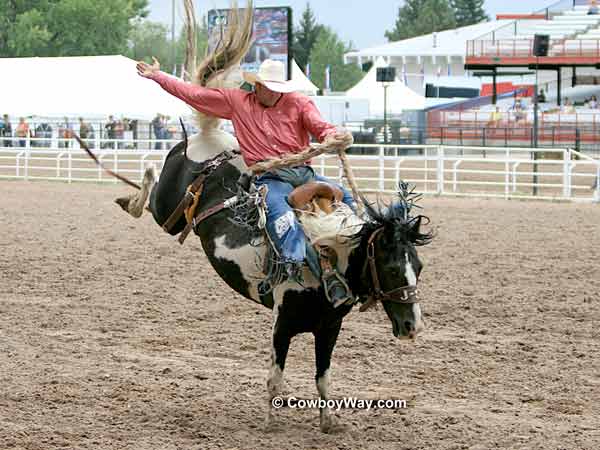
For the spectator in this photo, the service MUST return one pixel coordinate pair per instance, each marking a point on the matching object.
(65, 132)
(593, 9)
(2, 127)
(133, 127)
(23, 131)
(43, 134)
(109, 128)
(86, 132)
(568, 107)
(6, 131)
(495, 117)
(593, 103)
(119, 132)
(170, 130)
(158, 129)
(84, 129)
(541, 97)
(518, 110)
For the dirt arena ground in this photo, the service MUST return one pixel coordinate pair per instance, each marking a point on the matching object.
(112, 336)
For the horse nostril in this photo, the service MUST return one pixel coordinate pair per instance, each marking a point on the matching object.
(409, 326)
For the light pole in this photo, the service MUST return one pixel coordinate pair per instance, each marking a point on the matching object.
(385, 127)
(541, 42)
(385, 75)
(535, 126)
(173, 36)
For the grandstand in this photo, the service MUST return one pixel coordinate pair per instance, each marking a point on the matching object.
(497, 58)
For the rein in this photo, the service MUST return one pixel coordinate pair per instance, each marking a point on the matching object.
(404, 294)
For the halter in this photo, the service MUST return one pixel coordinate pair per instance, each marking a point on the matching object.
(404, 294)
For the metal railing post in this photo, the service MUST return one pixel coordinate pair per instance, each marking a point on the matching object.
(58, 158)
(454, 175)
(440, 170)
(116, 165)
(381, 168)
(514, 176)
(596, 198)
(507, 174)
(397, 171)
(566, 173)
(27, 156)
(70, 174)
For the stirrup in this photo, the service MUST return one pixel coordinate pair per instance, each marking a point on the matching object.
(329, 280)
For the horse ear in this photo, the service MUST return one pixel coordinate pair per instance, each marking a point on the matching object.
(415, 226)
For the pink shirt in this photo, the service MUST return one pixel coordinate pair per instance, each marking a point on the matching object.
(262, 132)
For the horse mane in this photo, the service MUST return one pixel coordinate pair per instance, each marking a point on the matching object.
(397, 216)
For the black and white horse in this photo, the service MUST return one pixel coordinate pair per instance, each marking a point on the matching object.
(233, 253)
(388, 237)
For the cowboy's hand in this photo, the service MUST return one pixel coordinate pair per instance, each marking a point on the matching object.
(146, 70)
(341, 139)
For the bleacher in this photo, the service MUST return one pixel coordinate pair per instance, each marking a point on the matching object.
(572, 33)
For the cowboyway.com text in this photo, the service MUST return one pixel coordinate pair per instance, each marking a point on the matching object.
(337, 404)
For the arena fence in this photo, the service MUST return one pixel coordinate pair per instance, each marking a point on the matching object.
(505, 172)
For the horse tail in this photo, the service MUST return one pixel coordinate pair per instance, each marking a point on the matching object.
(91, 154)
(190, 26)
(232, 46)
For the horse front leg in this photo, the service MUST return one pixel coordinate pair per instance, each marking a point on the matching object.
(325, 340)
(280, 344)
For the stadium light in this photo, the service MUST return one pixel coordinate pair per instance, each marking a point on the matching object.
(385, 75)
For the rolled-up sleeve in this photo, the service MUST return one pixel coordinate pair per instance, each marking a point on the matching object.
(216, 102)
(314, 123)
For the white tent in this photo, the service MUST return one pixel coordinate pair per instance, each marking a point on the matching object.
(88, 86)
(301, 81)
(399, 96)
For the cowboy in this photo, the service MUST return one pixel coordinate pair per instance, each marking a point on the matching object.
(270, 122)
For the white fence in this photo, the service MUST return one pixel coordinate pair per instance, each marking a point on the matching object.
(555, 174)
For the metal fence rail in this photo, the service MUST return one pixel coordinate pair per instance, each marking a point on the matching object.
(553, 174)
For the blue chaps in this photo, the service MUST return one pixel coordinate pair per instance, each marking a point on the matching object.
(282, 225)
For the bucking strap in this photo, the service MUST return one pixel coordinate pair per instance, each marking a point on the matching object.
(190, 200)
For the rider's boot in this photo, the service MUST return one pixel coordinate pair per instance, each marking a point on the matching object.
(336, 289)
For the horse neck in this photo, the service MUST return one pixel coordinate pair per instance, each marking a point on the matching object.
(208, 143)
(356, 264)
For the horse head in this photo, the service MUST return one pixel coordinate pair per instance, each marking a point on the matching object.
(390, 266)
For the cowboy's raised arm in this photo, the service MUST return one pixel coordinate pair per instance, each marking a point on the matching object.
(215, 102)
(322, 130)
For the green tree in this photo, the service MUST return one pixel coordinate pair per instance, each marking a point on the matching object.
(418, 17)
(66, 27)
(305, 37)
(148, 39)
(329, 50)
(468, 12)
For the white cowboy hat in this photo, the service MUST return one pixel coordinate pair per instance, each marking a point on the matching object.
(271, 74)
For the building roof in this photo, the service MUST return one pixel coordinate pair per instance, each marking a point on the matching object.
(88, 86)
(301, 81)
(449, 43)
(399, 96)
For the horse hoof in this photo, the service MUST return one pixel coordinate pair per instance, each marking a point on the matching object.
(269, 424)
(331, 424)
(123, 202)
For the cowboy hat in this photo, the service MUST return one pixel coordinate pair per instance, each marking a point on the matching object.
(271, 74)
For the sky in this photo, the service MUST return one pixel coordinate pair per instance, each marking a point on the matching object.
(361, 21)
